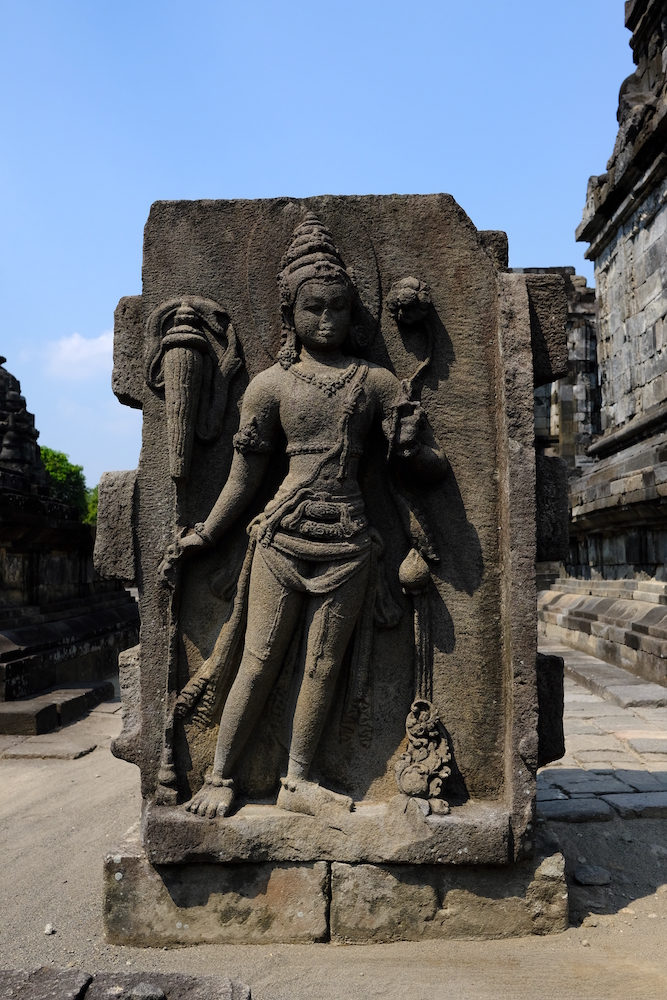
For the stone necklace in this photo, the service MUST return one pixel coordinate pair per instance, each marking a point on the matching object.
(328, 384)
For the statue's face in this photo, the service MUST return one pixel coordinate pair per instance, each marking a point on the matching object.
(322, 314)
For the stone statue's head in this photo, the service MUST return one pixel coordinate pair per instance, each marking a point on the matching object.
(313, 257)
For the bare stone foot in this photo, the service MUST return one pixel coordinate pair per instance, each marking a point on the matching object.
(307, 797)
(212, 799)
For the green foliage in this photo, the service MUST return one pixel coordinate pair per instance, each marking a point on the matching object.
(69, 485)
(91, 514)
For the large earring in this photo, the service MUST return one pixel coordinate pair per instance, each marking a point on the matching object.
(288, 354)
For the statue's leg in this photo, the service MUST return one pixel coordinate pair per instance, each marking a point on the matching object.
(273, 614)
(330, 621)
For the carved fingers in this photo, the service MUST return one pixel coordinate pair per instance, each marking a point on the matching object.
(181, 548)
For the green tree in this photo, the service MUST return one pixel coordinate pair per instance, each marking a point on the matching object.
(67, 480)
(91, 514)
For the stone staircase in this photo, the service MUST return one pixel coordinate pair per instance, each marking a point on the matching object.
(623, 622)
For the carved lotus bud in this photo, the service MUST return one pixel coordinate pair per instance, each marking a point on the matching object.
(413, 572)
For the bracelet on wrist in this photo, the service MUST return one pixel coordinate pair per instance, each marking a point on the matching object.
(200, 529)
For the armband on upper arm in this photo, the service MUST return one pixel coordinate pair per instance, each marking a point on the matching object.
(248, 440)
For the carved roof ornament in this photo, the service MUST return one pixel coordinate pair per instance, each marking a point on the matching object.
(191, 356)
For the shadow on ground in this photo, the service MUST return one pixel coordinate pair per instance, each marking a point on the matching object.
(634, 852)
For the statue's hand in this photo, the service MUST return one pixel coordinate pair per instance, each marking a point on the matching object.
(181, 548)
(411, 419)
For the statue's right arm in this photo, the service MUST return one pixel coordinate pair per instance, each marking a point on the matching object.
(245, 477)
(252, 454)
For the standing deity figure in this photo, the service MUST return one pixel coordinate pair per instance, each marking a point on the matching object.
(311, 568)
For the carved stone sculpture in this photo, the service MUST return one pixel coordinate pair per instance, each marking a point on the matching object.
(334, 530)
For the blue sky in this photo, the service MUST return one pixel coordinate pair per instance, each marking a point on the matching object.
(108, 107)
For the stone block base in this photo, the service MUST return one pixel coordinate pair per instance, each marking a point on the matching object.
(291, 903)
(372, 903)
(202, 903)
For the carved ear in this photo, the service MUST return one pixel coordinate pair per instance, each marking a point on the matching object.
(287, 316)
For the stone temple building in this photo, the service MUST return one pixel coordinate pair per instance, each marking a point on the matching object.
(61, 625)
(612, 600)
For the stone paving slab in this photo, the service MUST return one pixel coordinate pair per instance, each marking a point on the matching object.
(591, 784)
(588, 810)
(648, 744)
(616, 757)
(550, 794)
(643, 805)
(107, 707)
(54, 746)
(56, 707)
(610, 682)
(637, 695)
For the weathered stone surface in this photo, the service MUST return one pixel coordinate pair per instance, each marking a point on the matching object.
(127, 379)
(212, 903)
(10, 982)
(648, 745)
(49, 983)
(496, 244)
(567, 412)
(126, 746)
(379, 904)
(397, 831)
(228, 292)
(548, 316)
(27, 718)
(114, 539)
(618, 530)
(172, 985)
(552, 509)
(614, 622)
(337, 591)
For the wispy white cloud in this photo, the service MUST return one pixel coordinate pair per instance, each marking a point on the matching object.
(80, 358)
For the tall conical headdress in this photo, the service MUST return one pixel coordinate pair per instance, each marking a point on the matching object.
(311, 254)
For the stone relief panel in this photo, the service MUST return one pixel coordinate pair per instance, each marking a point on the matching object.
(318, 519)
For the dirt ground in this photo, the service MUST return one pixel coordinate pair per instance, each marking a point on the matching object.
(59, 817)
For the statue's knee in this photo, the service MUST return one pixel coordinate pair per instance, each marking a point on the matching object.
(255, 665)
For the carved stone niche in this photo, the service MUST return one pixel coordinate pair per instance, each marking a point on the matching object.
(338, 649)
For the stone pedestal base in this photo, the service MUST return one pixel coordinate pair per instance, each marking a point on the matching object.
(292, 903)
